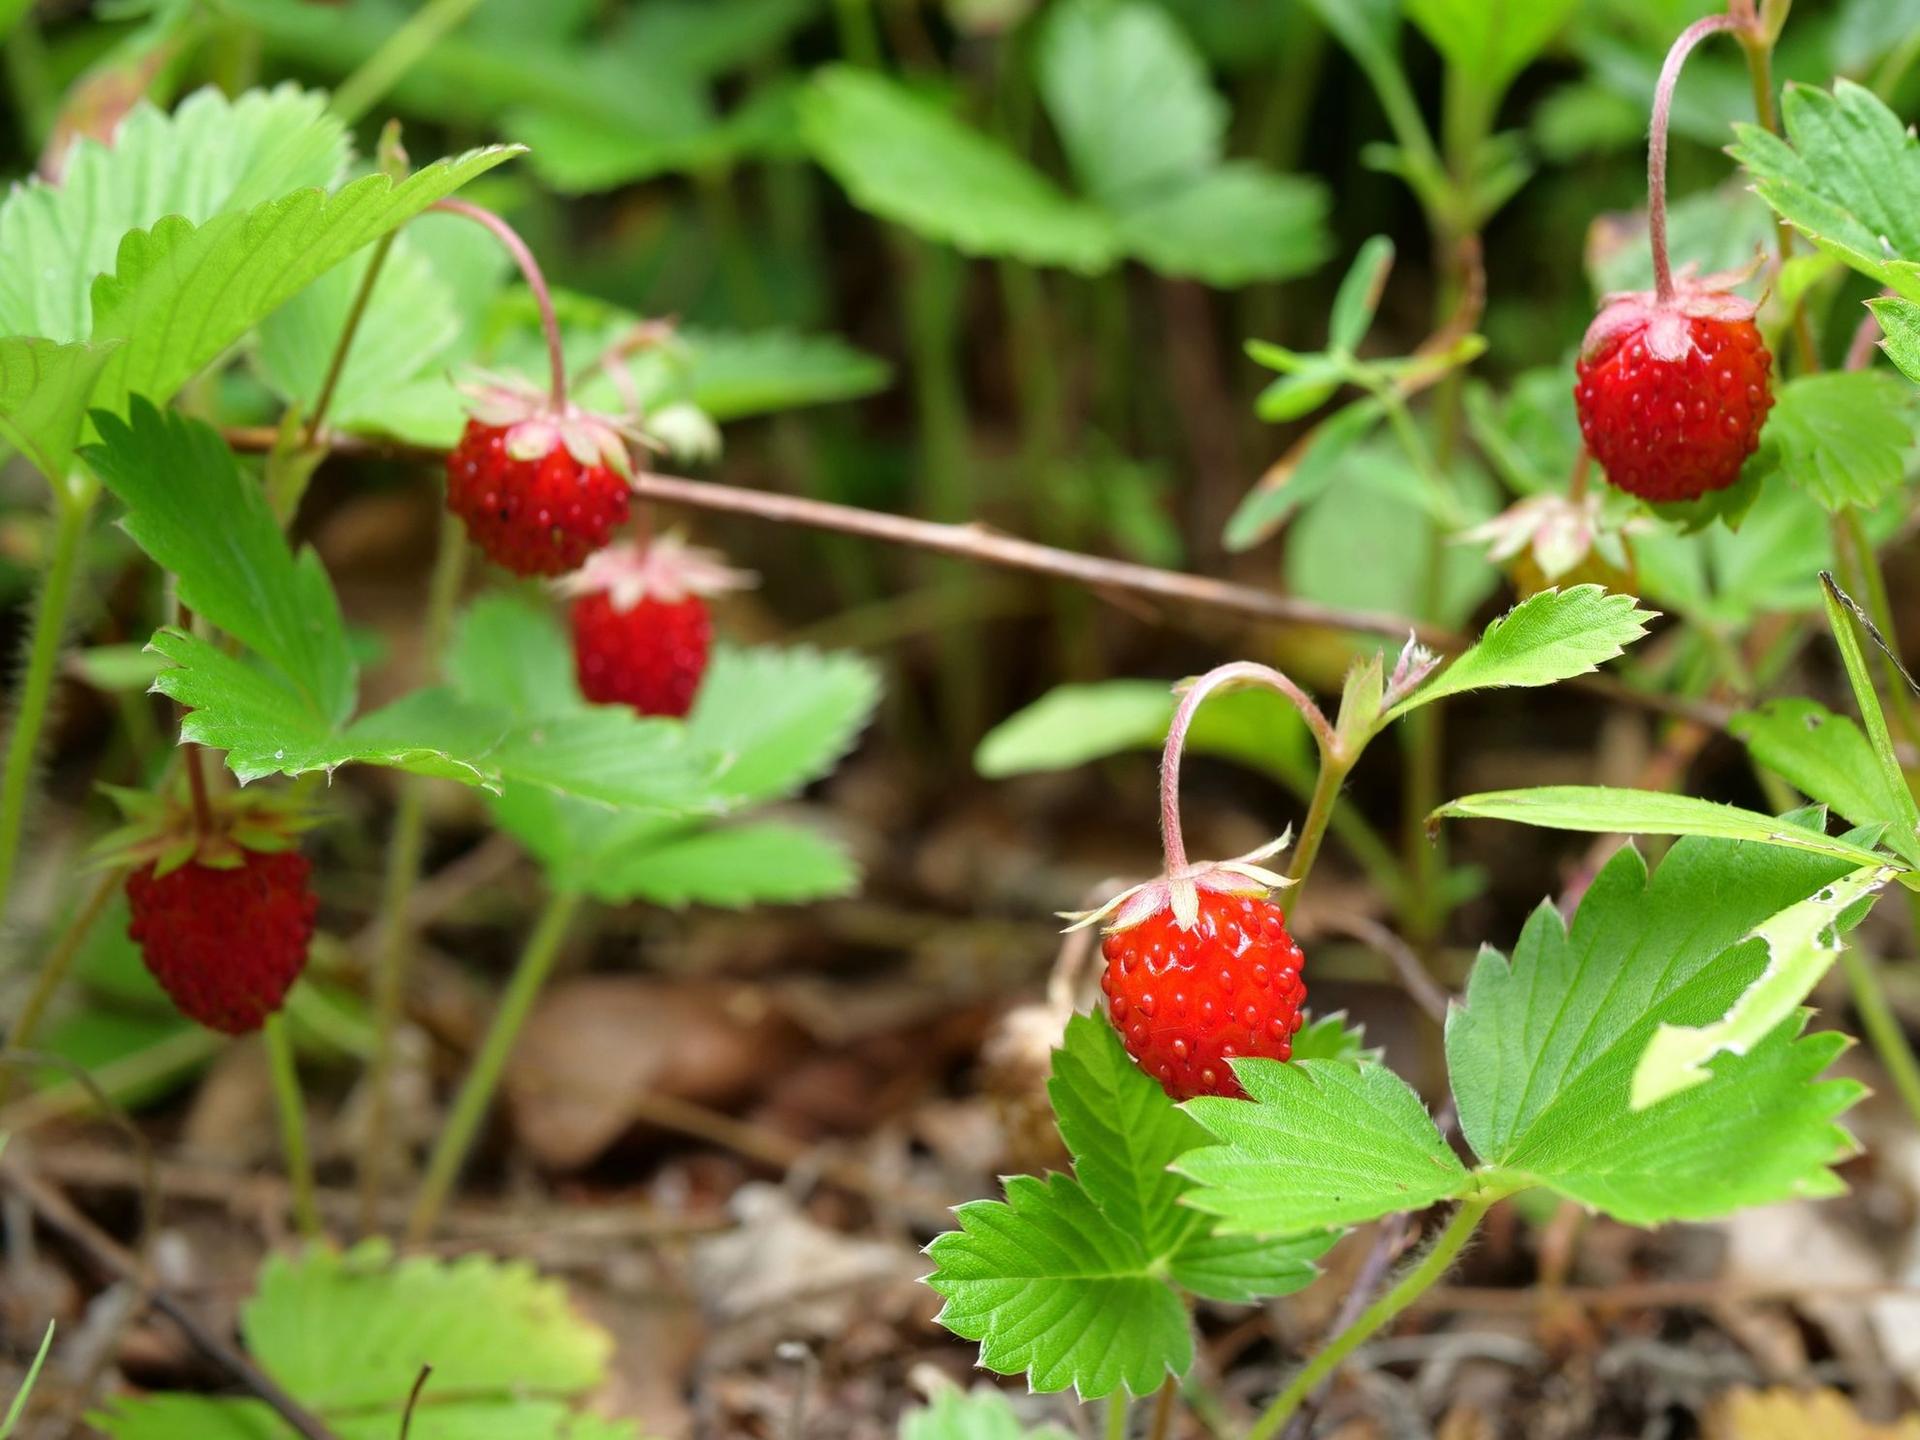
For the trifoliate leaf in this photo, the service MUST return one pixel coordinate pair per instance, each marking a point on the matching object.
(210, 155)
(982, 1415)
(732, 865)
(1827, 758)
(1543, 1052)
(1843, 437)
(196, 516)
(1546, 638)
(1603, 810)
(1846, 175)
(1117, 1234)
(1324, 1143)
(906, 159)
(785, 717)
(1134, 104)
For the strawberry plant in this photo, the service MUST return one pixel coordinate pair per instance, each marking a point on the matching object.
(500, 937)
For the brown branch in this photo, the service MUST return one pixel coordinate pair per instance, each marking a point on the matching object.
(60, 1214)
(985, 546)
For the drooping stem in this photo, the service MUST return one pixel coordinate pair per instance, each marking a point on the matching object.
(356, 312)
(293, 1124)
(36, 683)
(53, 971)
(1883, 1027)
(1657, 143)
(406, 850)
(1240, 672)
(1412, 1286)
(483, 1077)
(530, 271)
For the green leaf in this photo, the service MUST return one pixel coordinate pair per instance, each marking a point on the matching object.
(785, 717)
(347, 1335)
(1306, 472)
(1358, 297)
(1843, 437)
(1899, 332)
(908, 160)
(1603, 810)
(411, 322)
(609, 757)
(1049, 1286)
(1334, 1037)
(1231, 226)
(1548, 637)
(210, 155)
(1034, 1279)
(1846, 620)
(1324, 1143)
(982, 1415)
(731, 866)
(182, 1416)
(1802, 942)
(43, 397)
(180, 294)
(1135, 107)
(352, 1330)
(194, 514)
(1543, 1052)
(1073, 724)
(736, 374)
(1489, 42)
(1827, 758)
(1847, 176)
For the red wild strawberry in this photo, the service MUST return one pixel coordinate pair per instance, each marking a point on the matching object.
(1187, 1001)
(1200, 969)
(1672, 394)
(225, 942)
(641, 631)
(538, 488)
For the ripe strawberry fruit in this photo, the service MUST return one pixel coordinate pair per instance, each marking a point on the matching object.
(226, 942)
(1672, 394)
(1186, 1001)
(538, 489)
(641, 630)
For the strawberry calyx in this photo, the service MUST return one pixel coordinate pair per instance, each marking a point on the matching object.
(1178, 892)
(1664, 324)
(666, 569)
(536, 426)
(162, 830)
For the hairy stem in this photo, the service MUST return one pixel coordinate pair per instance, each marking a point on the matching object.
(1412, 1286)
(1883, 1027)
(36, 684)
(1241, 672)
(483, 1077)
(530, 271)
(406, 850)
(293, 1124)
(1657, 144)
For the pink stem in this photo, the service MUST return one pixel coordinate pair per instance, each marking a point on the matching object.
(510, 240)
(1657, 143)
(1239, 672)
